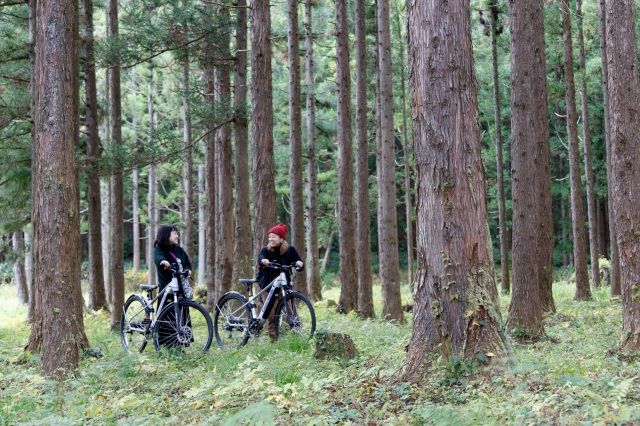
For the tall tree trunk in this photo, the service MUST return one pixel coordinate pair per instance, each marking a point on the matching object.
(497, 118)
(348, 273)
(187, 167)
(566, 256)
(386, 173)
(406, 151)
(28, 269)
(224, 174)
(152, 207)
(624, 98)
(105, 227)
(363, 250)
(263, 173)
(603, 228)
(243, 252)
(615, 254)
(588, 168)
(314, 287)
(202, 227)
(135, 203)
(530, 171)
(105, 200)
(19, 274)
(577, 208)
(97, 297)
(210, 179)
(58, 328)
(327, 253)
(36, 332)
(296, 181)
(453, 308)
(117, 208)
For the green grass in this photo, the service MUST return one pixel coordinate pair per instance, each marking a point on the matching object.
(571, 381)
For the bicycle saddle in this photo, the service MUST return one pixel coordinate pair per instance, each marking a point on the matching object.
(148, 287)
(248, 280)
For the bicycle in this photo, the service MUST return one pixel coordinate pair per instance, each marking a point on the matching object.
(182, 323)
(236, 320)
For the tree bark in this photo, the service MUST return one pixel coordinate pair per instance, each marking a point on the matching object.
(117, 197)
(152, 207)
(243, 252)
(105, 227)
(19, 274)
(135, 203)
(363, 252)
(588, 168)
(314, 287)
(211, 182)
(346, 225)
(202, 226)
(28, 269)
(105, 200)
(58, 328)
(406, 151)
(603, 228)
(386, 173)
(497, 118)
(263, 173)
(187, 168)
(453, 308)
(577, 208)
(224, 174)
(615, 254)
(530, 170)
(624, 98)
(296, 181)
(97, 297)
(327, 253)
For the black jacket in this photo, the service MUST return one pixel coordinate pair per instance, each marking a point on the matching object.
(164, 275)
(266, 275)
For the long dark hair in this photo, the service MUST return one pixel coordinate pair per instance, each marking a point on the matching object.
(162, 237)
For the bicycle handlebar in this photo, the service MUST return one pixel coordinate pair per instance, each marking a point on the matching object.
(275, 265)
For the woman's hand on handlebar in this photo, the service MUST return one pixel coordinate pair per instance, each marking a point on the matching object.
(165, 264)
(265, 262)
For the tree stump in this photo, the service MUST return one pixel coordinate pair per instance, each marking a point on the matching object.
(334, 345)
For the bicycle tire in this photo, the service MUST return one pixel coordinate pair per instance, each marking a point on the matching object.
(131, 324)
(300, 321)
(231, 321)
(191, 332)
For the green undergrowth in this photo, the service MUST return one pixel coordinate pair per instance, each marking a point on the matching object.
(569, 378)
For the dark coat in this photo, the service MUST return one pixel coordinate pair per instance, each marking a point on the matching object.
(164, 275)
(266, 275)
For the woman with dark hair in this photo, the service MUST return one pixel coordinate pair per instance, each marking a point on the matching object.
(279, 251)
(168, 252)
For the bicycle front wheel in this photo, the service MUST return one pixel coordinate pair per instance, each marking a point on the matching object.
(133, 326)
(187, 329)
(295, 316)
(232, 319)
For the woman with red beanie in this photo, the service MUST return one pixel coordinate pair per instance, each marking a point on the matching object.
(279, 251)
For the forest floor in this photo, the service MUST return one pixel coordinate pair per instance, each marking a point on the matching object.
(571, 378)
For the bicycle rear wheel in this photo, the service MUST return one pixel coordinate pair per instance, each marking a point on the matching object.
(190, 331)
(295, 316)
(133, 326)
(231, 320)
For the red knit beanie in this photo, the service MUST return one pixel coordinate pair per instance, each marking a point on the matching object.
(280, 230)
